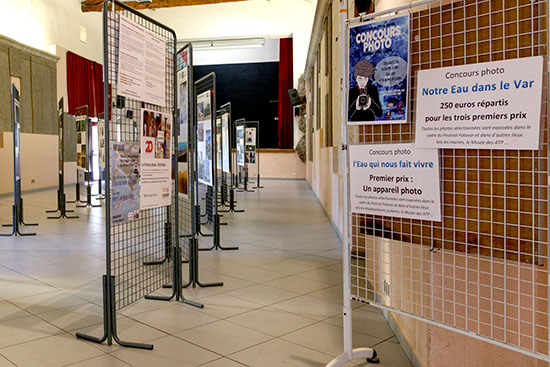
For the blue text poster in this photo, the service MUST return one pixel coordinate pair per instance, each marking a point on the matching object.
(378, 68)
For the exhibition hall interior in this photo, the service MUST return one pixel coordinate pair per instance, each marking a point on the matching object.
(269, 183)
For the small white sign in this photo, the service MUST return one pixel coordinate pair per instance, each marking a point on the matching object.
(494, 105)
(396, 180)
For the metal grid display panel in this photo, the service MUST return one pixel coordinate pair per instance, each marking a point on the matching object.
(144, 239)
(186, 203)
(206, 194)
(483, 269)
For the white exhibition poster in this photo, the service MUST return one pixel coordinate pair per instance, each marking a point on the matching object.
(396, 180)
(250, 155)
(219, 148)
(226, 148)
(141, 63)
(204, 138)
(101, 137)
(240, 145)
(156, 159)
(183, 141)
(493, 105)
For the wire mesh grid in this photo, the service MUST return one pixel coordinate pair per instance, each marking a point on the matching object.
(206, 194)
(147, 238)
(185, 155)
(484, 268)
(83, 141)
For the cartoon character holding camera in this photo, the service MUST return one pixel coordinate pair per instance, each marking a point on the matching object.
(364, 103)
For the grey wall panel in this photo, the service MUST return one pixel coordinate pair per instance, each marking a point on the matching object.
(37, 85)
(69, 137)
(5, 91)
(48, 122)
(26, 101)
(15, 62)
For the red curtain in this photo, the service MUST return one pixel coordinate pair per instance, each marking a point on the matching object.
(286, 123)
(84, 84)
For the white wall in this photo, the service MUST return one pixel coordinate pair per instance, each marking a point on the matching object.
(269, 52)
(273, 18)
(41, 23)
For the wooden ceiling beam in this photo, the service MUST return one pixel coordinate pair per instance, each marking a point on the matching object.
(97, 5)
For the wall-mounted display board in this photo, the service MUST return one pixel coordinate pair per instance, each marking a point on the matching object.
(156, 162)
(378, 71)
(492, 105)
(240, 144)
(395, 180)
(204, 138)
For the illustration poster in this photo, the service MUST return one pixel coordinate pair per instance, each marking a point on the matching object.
(396, 180)
(226, 148)
(60, 137)
(378, 71)
(183, 122)
(219, 147)
(101, 137)
(250, 151)
(493, 105)
(156, 162)
(125, 192)
(240, 145)
(81, 142)
(204, 138)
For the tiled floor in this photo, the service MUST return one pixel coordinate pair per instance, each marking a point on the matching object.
(280, 305)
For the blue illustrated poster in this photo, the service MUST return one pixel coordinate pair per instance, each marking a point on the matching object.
(378, 71)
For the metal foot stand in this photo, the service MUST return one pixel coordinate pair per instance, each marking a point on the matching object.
(258, 183)
(109, 319)
(88, 203)
(17, 219)
(358, 353)
(216, 245)
(61, 208)
(194, 268)
(77, 197)
(99, 195)
(245, 189)
(232, 203)
(176, 284)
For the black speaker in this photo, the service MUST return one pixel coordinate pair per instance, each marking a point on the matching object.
(294, 97)
(364, 6)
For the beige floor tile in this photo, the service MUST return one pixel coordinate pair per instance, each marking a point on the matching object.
(224, 337)
(23, 289)
(25, 329)
(224, 305)
(263, 294)
(288, 267)
(169, 351)
(323, 275)
(310, 307)
(144, 305)
(327, 338)
(76, 317)
(256, 275)
(277, 353)
(334, 294)
(223, 362)
(365, 320)
(175, 318)
(9, 311)
(48, 302)
(57, 350)
(271, 321)
(5, 363)
(297, 284)
(391, 355)
(101, 361)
